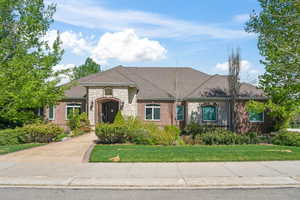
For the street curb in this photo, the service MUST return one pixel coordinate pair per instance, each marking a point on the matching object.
(153, 188)
(86, 156)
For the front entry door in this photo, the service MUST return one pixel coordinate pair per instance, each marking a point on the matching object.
(109, 111)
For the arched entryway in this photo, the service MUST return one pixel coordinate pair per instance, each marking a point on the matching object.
(107, 109)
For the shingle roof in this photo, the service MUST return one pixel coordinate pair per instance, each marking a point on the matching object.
(164, 83)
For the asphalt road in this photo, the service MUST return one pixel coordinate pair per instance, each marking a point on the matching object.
(107, 194)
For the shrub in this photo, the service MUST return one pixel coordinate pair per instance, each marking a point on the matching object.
(287, 138)
(60, 137)
(112, 133)
(221, 136)
(79, 123)
(42, 133)
(140, 136)
(134, 131)
(196, 129)
(12, 136)
(119, 119)
(168, 136)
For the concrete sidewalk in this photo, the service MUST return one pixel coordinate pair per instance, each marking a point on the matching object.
(151, 175)
(61, 165)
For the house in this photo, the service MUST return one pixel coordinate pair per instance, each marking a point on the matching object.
(162, 95)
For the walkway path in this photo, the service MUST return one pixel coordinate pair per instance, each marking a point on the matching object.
(69, 151)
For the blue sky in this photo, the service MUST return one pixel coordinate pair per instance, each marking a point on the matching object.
(194, 33)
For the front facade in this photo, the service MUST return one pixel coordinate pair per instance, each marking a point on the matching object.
(165, 96)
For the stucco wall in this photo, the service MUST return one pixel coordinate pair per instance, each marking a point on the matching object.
(126, 95)
(194, 112)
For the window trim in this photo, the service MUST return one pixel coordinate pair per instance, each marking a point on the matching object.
(152, 106)
(69, 106)
(183, 113)
(54, 113)
(217, 112)
(257, 121)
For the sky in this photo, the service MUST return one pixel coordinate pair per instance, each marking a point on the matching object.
(162, 33)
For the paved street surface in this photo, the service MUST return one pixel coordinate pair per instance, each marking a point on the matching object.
(93, 194)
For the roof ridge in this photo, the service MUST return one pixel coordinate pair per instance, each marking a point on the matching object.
(154, 84)
(116, 69)
(196, 88)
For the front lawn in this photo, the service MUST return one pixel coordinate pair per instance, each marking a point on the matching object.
(17, 147)
(141, 153)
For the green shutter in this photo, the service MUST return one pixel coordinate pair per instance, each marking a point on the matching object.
(179, 113)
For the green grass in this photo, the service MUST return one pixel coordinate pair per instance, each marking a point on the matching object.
(17, 147)
(140, 153)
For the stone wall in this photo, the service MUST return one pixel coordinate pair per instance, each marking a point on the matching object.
(127, 96)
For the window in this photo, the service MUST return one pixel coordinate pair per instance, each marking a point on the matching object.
(108, 91)
(180, 113)
(51, 113)
(256, 117)
(71, 108)
(209, 113)
(152, 112)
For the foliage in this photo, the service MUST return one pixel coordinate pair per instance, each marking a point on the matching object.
(42, 133)
(12, 136)
(134, 131)
(89, 67)
(194, 129)
(287, 138)
(60, 137)
(119, 119)
(28, 80)
(112, 133)
(79, 123)
(278, 29)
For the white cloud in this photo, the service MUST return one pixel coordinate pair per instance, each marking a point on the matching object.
(242, 18)
(126, 46)
(248, 72)
(94, 16)
(223, 67)
(70, 40)
(63, 67)
(64, 78)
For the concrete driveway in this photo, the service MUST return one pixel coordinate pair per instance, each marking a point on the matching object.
(69, 151)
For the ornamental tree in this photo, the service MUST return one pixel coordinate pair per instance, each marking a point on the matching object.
(278, 28)
(27, 78)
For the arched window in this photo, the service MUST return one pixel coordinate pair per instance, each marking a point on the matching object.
(108, 91)
(152, 112)
(209, 113)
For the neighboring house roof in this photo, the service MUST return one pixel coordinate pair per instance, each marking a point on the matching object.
(181, 83)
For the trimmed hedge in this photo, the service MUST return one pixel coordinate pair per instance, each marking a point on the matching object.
(287, 138)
